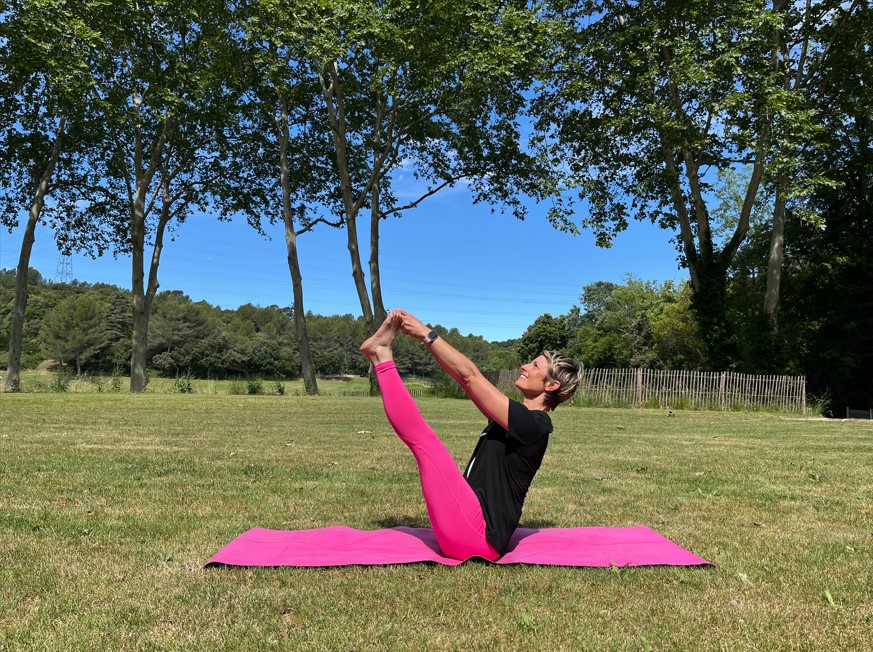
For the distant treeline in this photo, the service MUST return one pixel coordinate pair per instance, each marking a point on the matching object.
(638, 324)
(87, 328)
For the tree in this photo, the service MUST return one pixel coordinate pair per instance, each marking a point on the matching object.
(43, 80)
(434, 87)
(828, 279)
(547, 333)
(160, 74)
(72, 332)
(802, 46)
(277, 156)
(176, 322)
(649, 100)
(638, 324)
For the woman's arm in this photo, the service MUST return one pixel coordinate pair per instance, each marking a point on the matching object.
(490, 400)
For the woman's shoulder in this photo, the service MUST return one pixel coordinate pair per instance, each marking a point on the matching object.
(524, 421)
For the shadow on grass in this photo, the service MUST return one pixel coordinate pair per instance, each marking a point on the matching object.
(406, 521)
(417, 521)
(538, 524)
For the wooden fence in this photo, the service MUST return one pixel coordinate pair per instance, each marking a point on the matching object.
(654, 388)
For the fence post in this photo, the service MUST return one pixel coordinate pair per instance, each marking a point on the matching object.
(803, 393)
(638, 397)
(721, 389)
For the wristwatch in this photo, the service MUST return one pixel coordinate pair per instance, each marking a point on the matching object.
(430, 337)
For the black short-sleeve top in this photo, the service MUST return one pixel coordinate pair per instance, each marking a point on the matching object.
(502, 467)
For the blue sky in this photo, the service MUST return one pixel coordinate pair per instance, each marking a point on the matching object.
(448, 261)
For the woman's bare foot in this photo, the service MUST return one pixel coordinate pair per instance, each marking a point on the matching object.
(378, 347)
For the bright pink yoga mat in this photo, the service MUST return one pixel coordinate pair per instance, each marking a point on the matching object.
(345, 546)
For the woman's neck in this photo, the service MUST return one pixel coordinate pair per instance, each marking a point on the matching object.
(536, 403)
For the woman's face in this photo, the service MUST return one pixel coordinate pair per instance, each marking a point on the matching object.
(533, 376)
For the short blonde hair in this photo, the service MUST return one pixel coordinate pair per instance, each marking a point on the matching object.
(567, 372)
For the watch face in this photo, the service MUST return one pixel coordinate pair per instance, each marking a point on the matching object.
(432, 336)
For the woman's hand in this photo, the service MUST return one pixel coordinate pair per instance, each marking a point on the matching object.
(412, 326)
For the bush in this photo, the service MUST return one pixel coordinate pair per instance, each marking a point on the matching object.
(280, 388)
(61, 382)
(183, 385)
(254, 386)
(115, 385)
(237, 386)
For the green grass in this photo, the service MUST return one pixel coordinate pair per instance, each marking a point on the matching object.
(111, 503)
(45, 381)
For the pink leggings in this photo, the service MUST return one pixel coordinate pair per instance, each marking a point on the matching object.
(453, 508)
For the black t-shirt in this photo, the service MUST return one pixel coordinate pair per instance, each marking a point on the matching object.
(503, 466)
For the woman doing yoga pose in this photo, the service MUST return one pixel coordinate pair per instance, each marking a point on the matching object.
(474, 513)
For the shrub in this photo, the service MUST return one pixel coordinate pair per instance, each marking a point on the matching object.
(280, 388)
(254, 386)
(115, 384)
(183, 385)
(61, 382)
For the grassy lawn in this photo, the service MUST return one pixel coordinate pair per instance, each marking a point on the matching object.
(45, 381)
(111, 503)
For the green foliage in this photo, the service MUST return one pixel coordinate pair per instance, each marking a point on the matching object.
(115, 384)
(254, 386)
(653, 103)
(46, 106)
(503, 359)
(547, 333)
(60, 382)
(72, 332)
(183, 385)
(638, 324)
(203, 341)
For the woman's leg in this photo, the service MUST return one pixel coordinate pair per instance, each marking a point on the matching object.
(453, 508)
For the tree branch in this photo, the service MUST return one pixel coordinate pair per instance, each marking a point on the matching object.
(691, 167)
(430, 192)
(321, 220)
(824, 54)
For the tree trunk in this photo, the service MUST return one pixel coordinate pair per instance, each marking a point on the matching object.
(139, 342)
(358, 273)
(709, 300)
(334, 100)
(379, 312)
(774, 261)
(139, 336)
(16, 332)
(142, 294)
(310, 386)
(307, 366)
(138, 377)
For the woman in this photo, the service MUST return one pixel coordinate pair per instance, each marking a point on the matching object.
(474, 514)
